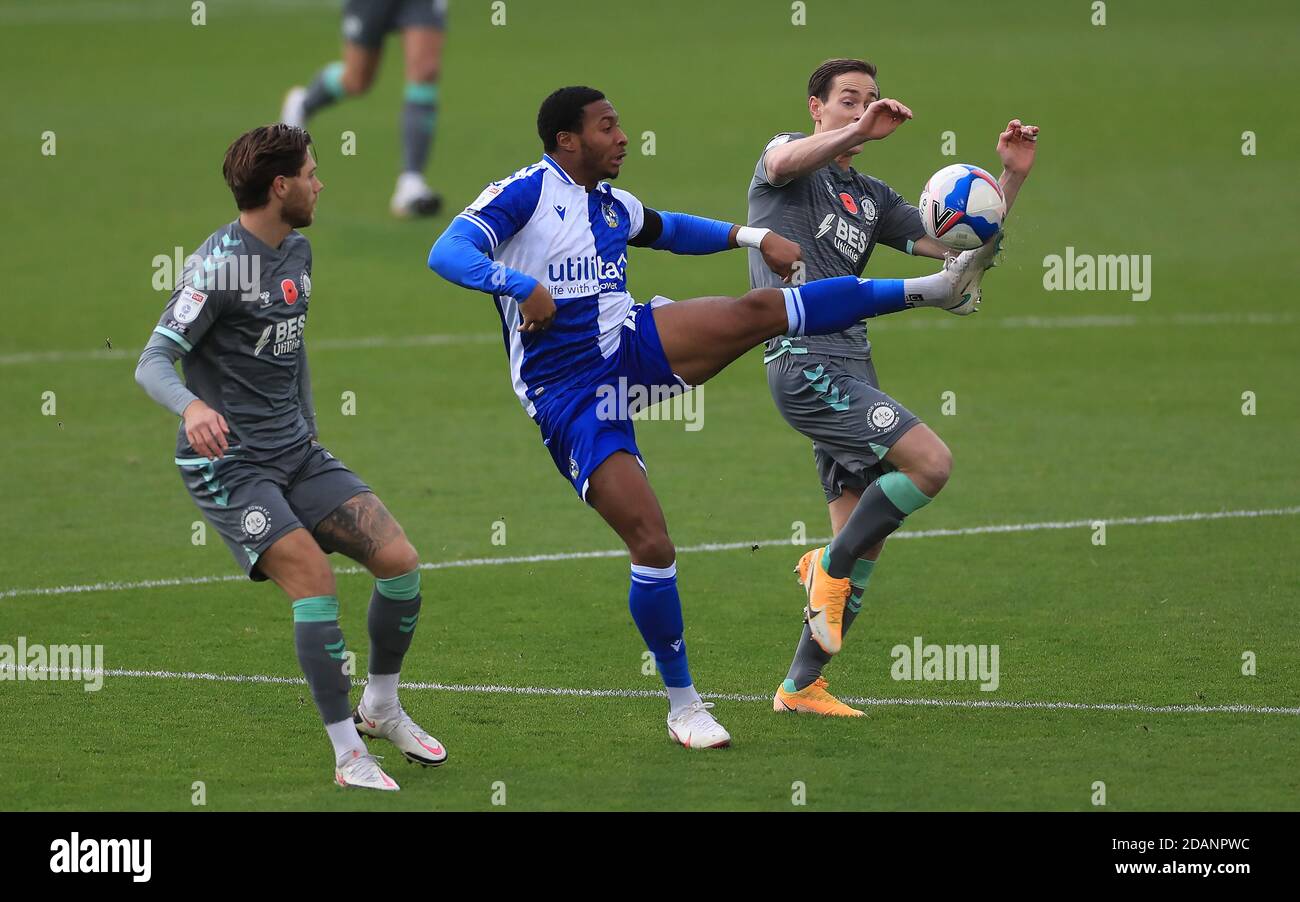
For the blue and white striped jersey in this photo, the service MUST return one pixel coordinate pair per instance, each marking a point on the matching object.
(543, 227)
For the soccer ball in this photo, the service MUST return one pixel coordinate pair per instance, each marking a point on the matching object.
(962, 206)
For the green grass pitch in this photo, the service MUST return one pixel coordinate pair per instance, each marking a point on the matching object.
(1070, 406)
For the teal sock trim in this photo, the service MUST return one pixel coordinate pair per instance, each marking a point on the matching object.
(902, 492)
(332, 77)
(789, 685)
(861, 573)
(421, 92)
(399, 588)
(858, 579)
(317, 609)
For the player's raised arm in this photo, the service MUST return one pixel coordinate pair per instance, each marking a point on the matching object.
(1017, 146)
(787, 158)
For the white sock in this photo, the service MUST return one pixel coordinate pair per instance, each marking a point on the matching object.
(680, 696)
(345, 738)
(934, 290)
(380, 695)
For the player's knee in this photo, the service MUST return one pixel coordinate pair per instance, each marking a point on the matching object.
(394, 559)
(357, 83)
(653, 549)
(932, 468)
(764, 310)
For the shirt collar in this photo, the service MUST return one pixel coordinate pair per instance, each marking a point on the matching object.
(555, 167)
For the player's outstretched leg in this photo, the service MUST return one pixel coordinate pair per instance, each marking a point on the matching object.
(620, 492)
(364, 530)
(298, 566)
(702, 336)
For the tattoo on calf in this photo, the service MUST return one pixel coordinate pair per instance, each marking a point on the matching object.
(358, 527)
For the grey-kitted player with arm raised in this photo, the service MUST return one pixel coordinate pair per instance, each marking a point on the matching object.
(878, 463)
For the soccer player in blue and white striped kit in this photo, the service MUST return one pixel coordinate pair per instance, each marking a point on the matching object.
(549, 243)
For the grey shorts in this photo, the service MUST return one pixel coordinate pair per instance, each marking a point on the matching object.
(837, 402)
(368, 22)
(252, 503)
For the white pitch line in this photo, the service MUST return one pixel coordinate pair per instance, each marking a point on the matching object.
(69, 673)
(992, 529)
(319, 344)
(1096, 321)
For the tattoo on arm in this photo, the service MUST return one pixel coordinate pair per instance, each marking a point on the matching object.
(359, 527)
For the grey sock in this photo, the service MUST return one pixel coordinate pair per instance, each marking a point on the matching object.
(392, 626)
(419, 117)
(872, 520)
(321, 654)
(809, 659)
(326, 88)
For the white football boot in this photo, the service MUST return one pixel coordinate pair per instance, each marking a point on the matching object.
(363, 771)
(966, 270)
(292, 112)
(413, 197)
(695, 728)
(410, 738)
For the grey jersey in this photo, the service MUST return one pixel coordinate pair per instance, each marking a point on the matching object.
(836, 217)
(239, 315)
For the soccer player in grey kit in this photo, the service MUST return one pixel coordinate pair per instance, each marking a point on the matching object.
(247, 450)
(877, 461)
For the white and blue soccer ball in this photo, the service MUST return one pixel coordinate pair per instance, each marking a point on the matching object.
(962, 206)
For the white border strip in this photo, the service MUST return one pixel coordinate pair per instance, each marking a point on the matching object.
(115, 586)
(491, 689)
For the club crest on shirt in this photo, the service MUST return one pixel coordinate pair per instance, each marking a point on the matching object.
(868, 209)
(573, 468)
(306, 285)
(611, 215)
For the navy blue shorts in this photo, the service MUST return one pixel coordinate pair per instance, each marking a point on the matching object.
(586, 423)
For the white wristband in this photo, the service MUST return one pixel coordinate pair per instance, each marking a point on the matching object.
(748, 236)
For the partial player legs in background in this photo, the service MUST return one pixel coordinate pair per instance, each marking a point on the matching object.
(350, 77)
(621, 494)
(423, 52)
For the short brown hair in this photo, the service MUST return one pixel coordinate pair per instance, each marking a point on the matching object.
(256, 157)
(819, 84)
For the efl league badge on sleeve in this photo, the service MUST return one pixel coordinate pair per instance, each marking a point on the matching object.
(188, 305)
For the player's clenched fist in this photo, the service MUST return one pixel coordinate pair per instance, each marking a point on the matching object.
(780, 254)
(206, 430)
(538, 309)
